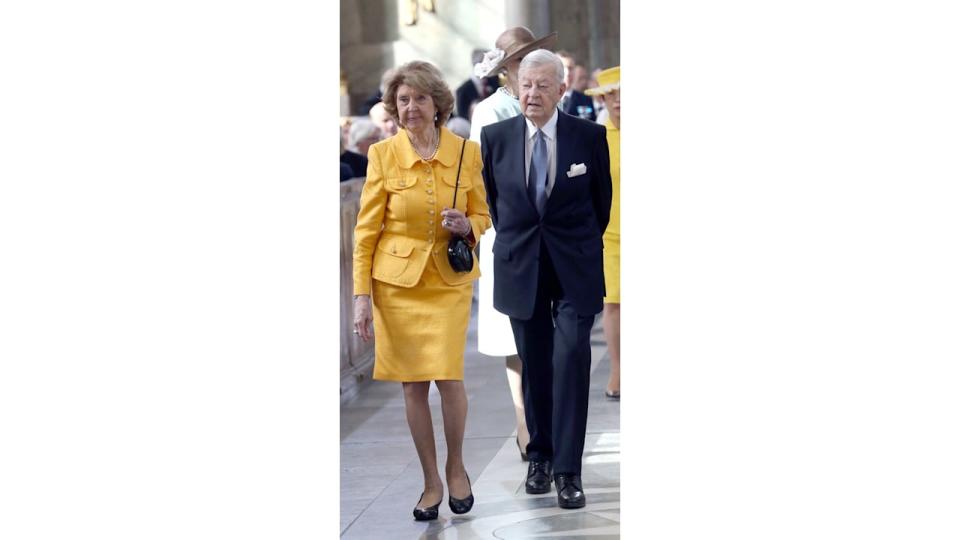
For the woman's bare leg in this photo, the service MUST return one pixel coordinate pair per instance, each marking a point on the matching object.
(453, 400)
(421, 427)
(514, 378)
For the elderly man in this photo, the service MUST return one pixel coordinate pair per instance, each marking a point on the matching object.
(548, 184)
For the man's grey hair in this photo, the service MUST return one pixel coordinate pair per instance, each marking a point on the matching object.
(361, 128)
(543, 57)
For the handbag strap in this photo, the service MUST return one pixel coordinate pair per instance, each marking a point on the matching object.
(460, 166)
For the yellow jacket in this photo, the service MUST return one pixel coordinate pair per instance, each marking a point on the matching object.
(613, 143)
(398, 227)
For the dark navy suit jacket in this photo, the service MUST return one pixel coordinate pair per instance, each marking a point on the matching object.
(572, 226)
(577, 101)
(467, 94)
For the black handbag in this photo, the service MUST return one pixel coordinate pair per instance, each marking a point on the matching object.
(459, 252)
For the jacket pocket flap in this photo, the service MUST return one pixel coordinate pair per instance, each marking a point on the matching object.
(501, 250)
(401, 183)
(450, 179)
(396, 247)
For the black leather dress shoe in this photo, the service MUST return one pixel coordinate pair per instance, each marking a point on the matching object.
(426, 514)
(538, 477)
(462, 506)
(570, 491)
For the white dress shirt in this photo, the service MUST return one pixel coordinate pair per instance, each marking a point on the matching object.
(550, 137)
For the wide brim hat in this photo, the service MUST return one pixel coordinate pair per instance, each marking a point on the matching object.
(608, 80)
(513, 42)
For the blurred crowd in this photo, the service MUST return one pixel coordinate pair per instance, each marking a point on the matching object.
(373, 124)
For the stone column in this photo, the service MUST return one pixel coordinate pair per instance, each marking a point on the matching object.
(588, 30)
(604, 41)
(368, 29)
(534, 14)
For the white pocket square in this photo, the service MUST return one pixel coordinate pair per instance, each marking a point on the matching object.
(576, 170)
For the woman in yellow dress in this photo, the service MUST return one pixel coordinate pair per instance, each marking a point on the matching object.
(420, 306)
(609, 93)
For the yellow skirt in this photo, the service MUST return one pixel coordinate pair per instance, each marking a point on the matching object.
(421, 331)
(611, 268)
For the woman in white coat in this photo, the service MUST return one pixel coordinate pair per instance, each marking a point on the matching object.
(494, 335)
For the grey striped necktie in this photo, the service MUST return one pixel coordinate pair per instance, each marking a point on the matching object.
(537, 181)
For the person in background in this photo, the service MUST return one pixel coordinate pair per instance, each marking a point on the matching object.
(346, 173)
(548, 184)
(598, 106)
(474, 89)
(356, 163)
(376, 96)
(363, 133)
(608, 90)
(581, 79)
(403, 284)
(387, 125)
(494, 335)
(574, 102)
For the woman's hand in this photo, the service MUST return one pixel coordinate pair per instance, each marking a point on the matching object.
(362, 317)
(455, 221)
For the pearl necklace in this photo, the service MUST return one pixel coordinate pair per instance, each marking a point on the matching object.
(436, 147)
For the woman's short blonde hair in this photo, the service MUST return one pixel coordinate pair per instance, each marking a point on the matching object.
(423, 77)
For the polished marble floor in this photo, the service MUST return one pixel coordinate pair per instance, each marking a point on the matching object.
(380, 478)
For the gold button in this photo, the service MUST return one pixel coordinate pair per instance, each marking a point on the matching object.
(429, 192)
(430, 212)
(430, 222)
(430, 201)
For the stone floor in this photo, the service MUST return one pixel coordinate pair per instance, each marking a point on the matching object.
(380, 478)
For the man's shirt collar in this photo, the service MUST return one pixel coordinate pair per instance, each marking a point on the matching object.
(549, 129)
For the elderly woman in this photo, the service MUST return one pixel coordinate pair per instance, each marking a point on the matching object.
(494, 335)
(420, 304)
(608, 90)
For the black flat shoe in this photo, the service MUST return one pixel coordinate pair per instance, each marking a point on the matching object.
(538, 477)
(523, 454)
(426, 514)
(462, 506)
(613, 396)
(569, 491)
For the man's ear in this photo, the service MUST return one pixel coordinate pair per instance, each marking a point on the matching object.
(563, 89)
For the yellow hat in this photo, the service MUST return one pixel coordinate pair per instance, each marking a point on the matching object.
(608, 81)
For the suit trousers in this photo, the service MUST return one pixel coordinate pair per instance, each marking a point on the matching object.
(554, 345)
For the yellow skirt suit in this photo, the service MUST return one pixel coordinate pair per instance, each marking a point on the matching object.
(421, 306)
(611, 237)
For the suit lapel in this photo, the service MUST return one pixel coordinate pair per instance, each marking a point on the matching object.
(564, 158)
